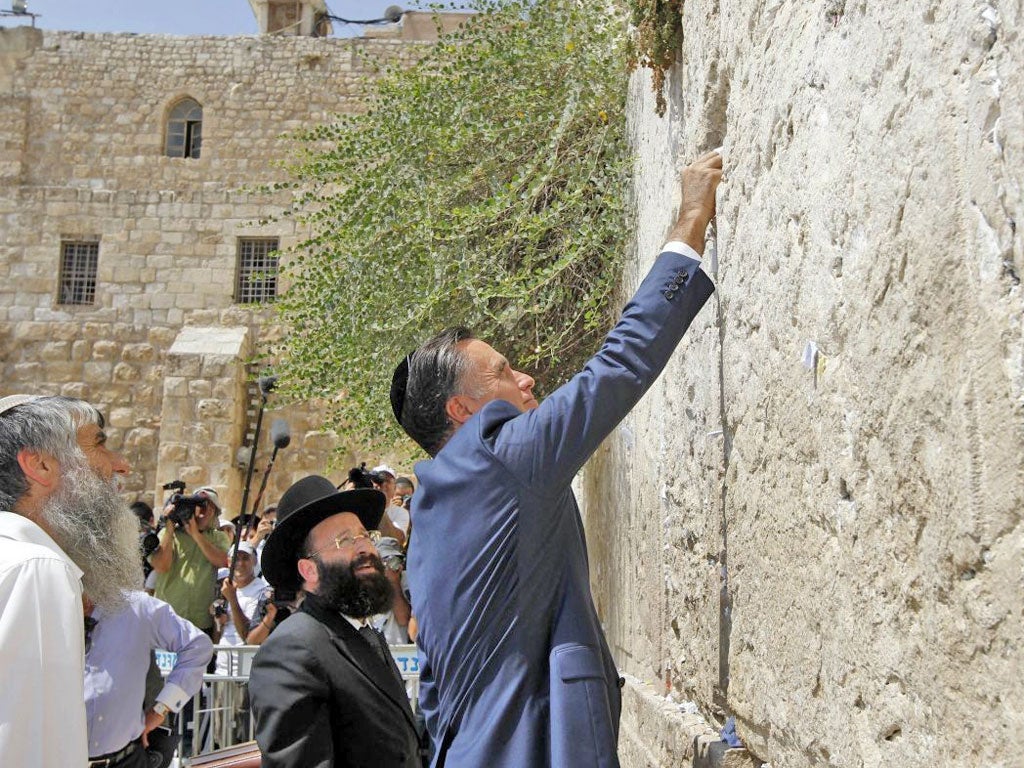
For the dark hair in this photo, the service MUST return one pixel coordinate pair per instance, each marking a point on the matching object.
(436, 371)
(360, 477)
(403, 480)
(142, 510)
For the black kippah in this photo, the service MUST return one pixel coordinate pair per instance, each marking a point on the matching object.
(399, 382)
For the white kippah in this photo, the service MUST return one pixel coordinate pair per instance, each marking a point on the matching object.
(13, 401)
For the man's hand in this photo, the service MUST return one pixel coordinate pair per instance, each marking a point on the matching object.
(262, 531)
(269, 613)
(700, 180)
(153, 720)
(168, 522)
(229, 590)
(192, 527)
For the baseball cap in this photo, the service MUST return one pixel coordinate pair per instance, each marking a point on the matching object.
(244, 546)
(385, 468)
(210, 494)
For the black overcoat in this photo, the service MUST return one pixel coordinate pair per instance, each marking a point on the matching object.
(322, 698)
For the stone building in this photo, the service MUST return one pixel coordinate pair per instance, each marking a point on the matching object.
(814, 522)
(136, 264)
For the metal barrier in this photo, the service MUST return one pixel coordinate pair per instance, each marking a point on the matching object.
(219, 715)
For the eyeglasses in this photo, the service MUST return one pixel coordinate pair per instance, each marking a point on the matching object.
(341, 541)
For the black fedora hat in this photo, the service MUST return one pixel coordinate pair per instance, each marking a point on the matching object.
(308, 502)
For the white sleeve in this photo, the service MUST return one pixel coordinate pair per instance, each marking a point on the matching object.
(42, 636)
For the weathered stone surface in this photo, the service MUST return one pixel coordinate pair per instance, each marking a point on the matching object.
(138, 353)
(106, 350)
(122, 417)
(868, 507)
(173, 453)
(76, 389)
(125, 372)
(141, 439)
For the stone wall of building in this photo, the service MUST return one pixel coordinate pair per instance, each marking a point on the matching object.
(82, 131)
(865, 500)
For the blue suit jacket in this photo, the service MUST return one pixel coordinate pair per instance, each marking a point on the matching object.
(515, 670)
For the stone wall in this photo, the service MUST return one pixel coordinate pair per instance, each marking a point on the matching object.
(865, 507)
(82, 120)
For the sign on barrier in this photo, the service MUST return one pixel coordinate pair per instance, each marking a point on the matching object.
(407, 658)
(165, 660)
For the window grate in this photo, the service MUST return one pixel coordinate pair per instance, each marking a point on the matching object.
(78, 264)
(257, 270)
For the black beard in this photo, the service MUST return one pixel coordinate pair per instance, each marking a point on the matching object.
(355, 596)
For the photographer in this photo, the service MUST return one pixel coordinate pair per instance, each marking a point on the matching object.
(190, 552)
(258, 535)
(275, 606)
(242, 592)
(394, 624)
(148, 538)
(360, 477)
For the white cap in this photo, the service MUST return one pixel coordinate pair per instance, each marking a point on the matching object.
(210, 494)
(13, 401)
(244, 546)
(385, 468)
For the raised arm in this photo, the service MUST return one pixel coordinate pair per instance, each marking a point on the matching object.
(547, 446)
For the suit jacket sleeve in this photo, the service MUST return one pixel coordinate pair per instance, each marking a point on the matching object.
(290, 693)
(546, 447)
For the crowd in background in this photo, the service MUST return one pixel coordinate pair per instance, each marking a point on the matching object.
(208, 568)
(69, 579)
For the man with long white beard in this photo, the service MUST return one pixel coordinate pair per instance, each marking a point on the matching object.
(63, 525)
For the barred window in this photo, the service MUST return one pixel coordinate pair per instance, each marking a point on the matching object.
(257, 270)
(184, 129)
(78, 261)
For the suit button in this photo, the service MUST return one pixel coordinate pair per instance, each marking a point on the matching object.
(683, 278)
(669, 295)
(674, 287)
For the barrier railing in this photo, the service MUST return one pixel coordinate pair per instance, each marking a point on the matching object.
(219, 715)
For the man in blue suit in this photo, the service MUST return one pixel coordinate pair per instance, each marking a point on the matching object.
(515, 668)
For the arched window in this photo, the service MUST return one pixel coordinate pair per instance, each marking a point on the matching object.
(184, 129)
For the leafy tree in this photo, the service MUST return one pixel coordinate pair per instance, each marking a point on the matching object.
(485, 186)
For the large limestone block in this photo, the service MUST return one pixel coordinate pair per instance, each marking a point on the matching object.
(867, 379)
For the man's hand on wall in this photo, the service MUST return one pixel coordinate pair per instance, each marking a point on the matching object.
(700, 180)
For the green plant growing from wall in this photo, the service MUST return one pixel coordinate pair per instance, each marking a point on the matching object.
(485, 186)
(656, 41)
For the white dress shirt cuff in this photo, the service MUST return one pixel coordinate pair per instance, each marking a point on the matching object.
(678, 246)
(173, 697)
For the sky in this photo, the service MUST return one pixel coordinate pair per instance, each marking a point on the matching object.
(178, 17)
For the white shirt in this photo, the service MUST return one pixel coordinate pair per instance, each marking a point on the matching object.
(42, 650)
(400, 517)
(248, 597)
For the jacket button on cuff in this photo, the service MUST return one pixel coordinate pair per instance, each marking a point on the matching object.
(669, 295)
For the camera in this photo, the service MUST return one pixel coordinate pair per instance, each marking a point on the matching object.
(391, 554)
(282, 600)
(149, 543)
(220, 607)
(361, 477)
(183, 507)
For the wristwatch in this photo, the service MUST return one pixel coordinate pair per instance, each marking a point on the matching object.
(161, 709)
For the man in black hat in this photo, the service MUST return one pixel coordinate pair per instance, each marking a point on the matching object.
(324, 688)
